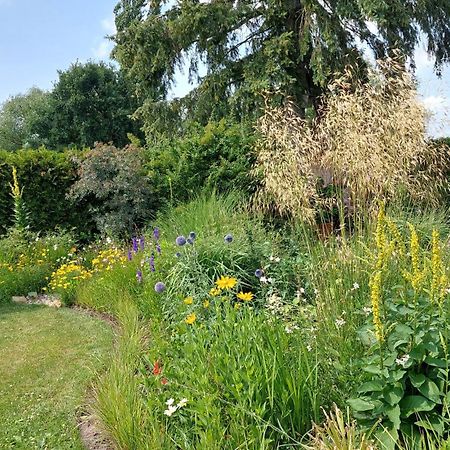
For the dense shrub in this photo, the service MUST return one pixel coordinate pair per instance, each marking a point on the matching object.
(114, 179)
(45, 177)
(217, 156)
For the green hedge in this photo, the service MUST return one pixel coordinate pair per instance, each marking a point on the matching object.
(45, 177)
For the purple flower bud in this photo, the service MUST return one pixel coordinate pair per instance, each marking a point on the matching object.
(142, 243)
(135, 245)
(180, 240)
(160, 287)
(228, 238)
(156, 233)
(258, 273)
(152, 262)
(192, 235)
(190, 241)
(139, 276)
(158, 248)
(130, 255)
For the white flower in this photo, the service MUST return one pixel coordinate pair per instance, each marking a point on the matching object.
(170, 402)
(182, 402)
(263, 279)
(367, 310)
(277, 259)
(300, 292)
(108, 240)
(309, 347)
(55, 247)
(355, 286)
(339, 322)
(170, 410)
(271, 258)
(288, 330)
(270, 280)
(316, 292)
(403, 360)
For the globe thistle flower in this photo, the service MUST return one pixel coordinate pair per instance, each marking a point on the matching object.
(192, 235)
(228, 238)
(258, 273)
(180, 240)
(160, 287)
(139, 276)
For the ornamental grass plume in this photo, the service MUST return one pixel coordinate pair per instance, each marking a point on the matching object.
(367, 142)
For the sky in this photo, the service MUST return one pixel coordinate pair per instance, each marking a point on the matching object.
(40, 37)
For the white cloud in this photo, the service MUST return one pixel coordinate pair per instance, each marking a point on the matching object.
(103, 49)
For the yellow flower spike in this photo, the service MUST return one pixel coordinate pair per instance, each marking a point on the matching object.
(190, 319)
(375, 298)
(225, 282)
(188, 300)
(245, 296)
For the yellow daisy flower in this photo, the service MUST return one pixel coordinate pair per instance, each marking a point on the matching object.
(188, 300)
(214, 292)
(226, 282)
(245, 296)
(190, 319)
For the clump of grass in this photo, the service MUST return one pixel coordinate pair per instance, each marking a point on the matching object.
(367, 143)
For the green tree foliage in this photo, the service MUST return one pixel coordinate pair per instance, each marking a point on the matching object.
(21, 120)
(91, 103)
(250, 46)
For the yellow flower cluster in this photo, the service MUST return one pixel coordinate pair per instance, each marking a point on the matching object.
(415, 276)
(438, 275)
(67, 275)
(107, 259)
(376, 300)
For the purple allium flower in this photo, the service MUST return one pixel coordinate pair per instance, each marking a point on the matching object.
(142, 243)
(228, 238)
(160, 287)
(152, 262)
(258, 273)
(180, 240)
(190, 241)
(135, 245)
(192, 235)
(139, 276)
(177, 254)
(130, 255)
(158, 248)
(156, 233)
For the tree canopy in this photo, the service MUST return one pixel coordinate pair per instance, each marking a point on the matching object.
(236, 49)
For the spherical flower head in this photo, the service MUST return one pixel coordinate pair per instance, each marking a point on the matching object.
(245, 296)
(180, 240)
(160, 287)
(192, 235)
(190, 241)
(228, 238)
(258, 273)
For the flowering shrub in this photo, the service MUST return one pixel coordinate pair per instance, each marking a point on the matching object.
(407, 386)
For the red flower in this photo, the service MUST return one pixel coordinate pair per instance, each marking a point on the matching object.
(164, 381)
(157, 369)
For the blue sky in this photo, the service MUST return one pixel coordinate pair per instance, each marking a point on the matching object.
(39, 37)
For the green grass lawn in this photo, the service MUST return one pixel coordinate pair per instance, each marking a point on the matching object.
(47, 359)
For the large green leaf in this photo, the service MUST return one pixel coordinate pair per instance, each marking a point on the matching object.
(393, 393)
(358, 404)
(430, 390)
(415, 403)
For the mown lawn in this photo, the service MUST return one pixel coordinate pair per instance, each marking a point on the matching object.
(47, 359)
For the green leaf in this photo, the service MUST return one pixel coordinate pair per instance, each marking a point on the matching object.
(435, 424)
(415, 403)
(371, 386)
(430, 390)
(393, 415)
(436, 362)
(417, 379)
(358, 404)
(393, 394)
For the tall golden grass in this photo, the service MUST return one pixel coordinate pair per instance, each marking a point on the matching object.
(368, 141)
